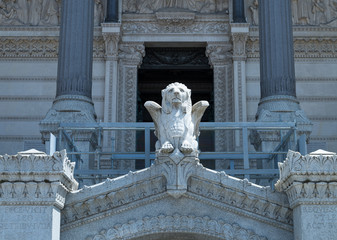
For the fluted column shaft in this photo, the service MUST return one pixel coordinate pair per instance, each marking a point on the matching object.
(112, 11)
(277, 71)
(74, 76)
(239, 11)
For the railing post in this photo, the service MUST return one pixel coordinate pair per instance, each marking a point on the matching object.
(147, 147)
(245, 149)
(302, 145)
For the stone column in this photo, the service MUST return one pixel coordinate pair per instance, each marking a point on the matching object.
(33, 189)
(130, 58)
(277, 72)
(111, 35)
(220, 60)
(310, 183)
(239, 11)
(239, 37)
(112, 11)
(73, 103)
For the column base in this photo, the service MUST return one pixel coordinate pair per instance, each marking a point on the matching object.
(67, 109)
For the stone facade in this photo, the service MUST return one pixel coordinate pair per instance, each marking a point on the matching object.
(29, 61)
(181, 200)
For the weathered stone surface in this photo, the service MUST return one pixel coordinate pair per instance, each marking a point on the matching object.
(310, 183)
(33, 189)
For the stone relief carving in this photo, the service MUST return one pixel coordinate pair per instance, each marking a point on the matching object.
(304, 12)
(308, 178)
(151, 6)
(39, 12)
(155, 28)
(176, 121)
(177, 223)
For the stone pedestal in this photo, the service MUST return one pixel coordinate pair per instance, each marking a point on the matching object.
(33, 188)
(310, 183)
(277, 74)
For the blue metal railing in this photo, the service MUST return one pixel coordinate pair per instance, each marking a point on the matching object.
(287, 133)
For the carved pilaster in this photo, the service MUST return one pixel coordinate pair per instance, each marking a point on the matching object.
(310, 184)
(130, 58)
(220, 59)
(111, 35)
(239, 33)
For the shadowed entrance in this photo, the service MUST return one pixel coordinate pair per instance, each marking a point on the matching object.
(162, 66)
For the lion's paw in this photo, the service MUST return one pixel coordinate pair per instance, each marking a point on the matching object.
(186, 147)
(167, 147)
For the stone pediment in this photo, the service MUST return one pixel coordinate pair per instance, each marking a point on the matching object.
(186, 193)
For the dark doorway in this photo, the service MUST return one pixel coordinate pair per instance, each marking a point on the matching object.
(185, 65)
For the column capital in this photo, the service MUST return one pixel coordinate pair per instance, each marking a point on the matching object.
(111, 35)
(239, 32)
(132, 53)
(309, 179)
(218, 53)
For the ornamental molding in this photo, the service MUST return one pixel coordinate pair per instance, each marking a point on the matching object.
(166, 23)
(40, 47)
(184, 179)
(131, 53)
(310, 178)
(201, 225)
(152, 6)
(303, 47)
(32, 177)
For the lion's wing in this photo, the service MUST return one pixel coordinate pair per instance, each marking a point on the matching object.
(198, 110)
(155, 112)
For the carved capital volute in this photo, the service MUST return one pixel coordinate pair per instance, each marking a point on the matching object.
(309, 179)
(218, 54)
(111, 35)
(33, 177)
(132, 53)
(239, 33)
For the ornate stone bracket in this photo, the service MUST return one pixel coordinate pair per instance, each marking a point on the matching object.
(111, 35)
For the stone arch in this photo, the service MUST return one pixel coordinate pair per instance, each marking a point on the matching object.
(183, 225)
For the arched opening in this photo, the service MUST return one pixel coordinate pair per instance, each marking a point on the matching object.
(162, 66)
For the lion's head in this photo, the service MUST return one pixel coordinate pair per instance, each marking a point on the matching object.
(176, 94)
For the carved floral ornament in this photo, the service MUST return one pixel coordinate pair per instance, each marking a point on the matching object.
(177, 223)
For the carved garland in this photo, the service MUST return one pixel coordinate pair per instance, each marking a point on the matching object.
(177, 223)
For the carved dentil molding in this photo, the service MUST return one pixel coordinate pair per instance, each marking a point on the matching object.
(309, 179)
(177, 223)
(35, 177)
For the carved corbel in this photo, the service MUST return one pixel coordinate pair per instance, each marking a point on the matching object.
(132, 53)
(239, 33)
(218, 53)
(111, 41)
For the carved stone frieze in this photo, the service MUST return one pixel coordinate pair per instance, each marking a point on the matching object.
(39, 47)
(304, 12)
(310, 178)
(39, 12)
(157, 28)
(303, 47)
(151, 6)
(175, 18)
(204, 225)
